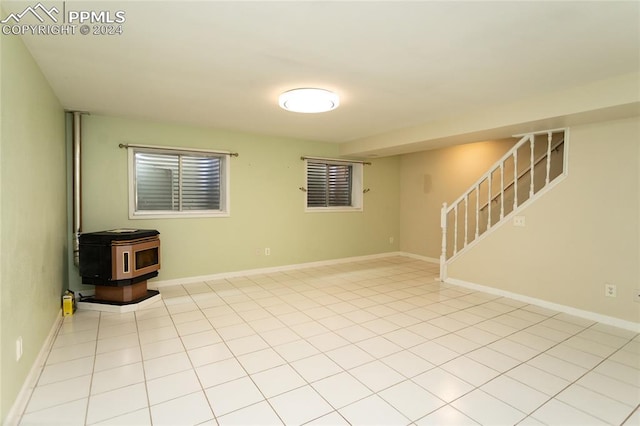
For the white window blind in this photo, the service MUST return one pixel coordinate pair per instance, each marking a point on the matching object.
(333, 185)
(157, 182)
(329, 185)
(176, 183)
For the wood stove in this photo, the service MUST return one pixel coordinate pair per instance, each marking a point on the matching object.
(119, 262)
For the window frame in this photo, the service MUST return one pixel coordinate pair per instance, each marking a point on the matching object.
(225, 174)
(357, 185)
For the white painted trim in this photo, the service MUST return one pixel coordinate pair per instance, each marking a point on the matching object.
(357, 187)
(20, 404)
(225, 196)
(272, 269)
(605, 319)
(541, 132)
(180, 215)
(420, 257)
(332, 209)
(565, 151)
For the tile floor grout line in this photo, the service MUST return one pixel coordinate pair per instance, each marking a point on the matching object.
(563, 389)
(248, 375)
(634, 411)
(86, 422)
(575, 382)
(310, 384)
(144, 370)
(93, 369)
(392, 385)
(453, 332)
(393, 285)
(193, 367)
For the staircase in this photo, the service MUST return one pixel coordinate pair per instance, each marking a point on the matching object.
(529, 169)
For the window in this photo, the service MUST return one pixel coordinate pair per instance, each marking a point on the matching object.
(174, 183)
(333, 185)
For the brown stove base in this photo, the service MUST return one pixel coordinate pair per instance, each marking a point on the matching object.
(148, 294)
(121, 294)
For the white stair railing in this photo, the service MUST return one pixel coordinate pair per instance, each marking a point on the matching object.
(544, 160)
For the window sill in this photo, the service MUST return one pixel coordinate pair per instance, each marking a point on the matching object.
(332, 209)
(177, 215)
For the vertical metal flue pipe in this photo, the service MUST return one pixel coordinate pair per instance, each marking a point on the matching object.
(77, 186)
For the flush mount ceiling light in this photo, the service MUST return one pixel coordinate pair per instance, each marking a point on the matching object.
(309, 100)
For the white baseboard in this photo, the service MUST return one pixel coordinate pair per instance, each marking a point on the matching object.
(605, 319)
(18, 407)
(269, 270)
(420, 257)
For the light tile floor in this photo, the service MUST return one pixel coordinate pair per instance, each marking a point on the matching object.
(364, 343)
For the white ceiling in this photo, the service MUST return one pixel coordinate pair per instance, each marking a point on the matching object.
(395, 64)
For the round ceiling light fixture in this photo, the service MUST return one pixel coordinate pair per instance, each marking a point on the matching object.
(309, 100)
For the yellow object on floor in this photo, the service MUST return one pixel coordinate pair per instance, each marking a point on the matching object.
(68, 303)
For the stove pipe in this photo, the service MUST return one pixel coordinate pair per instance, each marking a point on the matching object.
(77, 186)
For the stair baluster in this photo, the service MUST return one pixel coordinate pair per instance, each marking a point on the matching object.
(515, 179)
(549, 137)
(501, 190)
(466, 218)
(443, 252)
(532, 165)
(489, 200)
(477, 211)
(455, 229)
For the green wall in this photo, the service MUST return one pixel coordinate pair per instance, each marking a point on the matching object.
(267, 208)
(33, 213)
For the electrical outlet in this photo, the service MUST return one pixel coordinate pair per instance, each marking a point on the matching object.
(610, 290)
(18, 348)
(390, 240)
(519, 221)
(636, 295)
(258, 252)
(267, 251)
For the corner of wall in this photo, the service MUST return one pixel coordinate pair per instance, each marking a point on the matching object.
(429, 178)
(2, 413)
